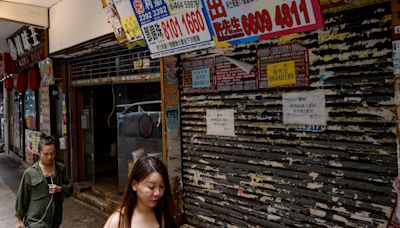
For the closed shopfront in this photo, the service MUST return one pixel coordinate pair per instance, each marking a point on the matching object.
(247, 161)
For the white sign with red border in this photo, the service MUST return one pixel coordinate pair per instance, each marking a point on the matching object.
(242, 21)
(177, 34)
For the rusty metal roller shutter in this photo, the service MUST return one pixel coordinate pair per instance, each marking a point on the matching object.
(271, 175)
(114, 64)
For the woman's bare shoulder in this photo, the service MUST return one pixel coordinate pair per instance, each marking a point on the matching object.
(113, 220)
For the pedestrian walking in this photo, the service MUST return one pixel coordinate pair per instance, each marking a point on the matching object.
(43, 187)
(147, 199)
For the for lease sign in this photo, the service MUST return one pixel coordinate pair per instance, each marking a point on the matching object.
(241, 21)
(168, 34)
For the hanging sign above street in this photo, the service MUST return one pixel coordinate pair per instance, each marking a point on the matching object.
(168, 34)
(234, 22)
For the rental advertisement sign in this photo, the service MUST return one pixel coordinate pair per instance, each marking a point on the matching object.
(241, 21)
(168, 34)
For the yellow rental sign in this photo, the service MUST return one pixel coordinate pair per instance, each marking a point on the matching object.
(281, 74)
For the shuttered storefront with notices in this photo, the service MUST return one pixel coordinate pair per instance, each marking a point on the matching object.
(275, 175)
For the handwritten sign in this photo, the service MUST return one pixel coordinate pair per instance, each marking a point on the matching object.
(282, 66)
(305, 108)
(248, 21)
(167, 34)
(220, 122)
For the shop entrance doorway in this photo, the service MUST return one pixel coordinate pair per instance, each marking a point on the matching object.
(117, 122)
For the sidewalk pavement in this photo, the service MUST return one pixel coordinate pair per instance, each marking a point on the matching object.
(76, 213)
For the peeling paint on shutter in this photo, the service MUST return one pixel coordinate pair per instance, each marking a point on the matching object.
(271, 175)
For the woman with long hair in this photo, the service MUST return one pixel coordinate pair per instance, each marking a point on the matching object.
(147, 198)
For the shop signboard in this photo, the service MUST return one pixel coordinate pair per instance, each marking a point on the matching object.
(234, 22)
(27, 46)
(168, 34)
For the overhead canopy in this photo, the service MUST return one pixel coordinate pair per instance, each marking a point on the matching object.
(26, 14)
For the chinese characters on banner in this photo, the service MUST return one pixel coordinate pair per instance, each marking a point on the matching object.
(220, 122)
(282, 66)
(238, 22)
(168, 34)
(304, 108)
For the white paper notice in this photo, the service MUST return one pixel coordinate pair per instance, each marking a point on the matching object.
(306, 108)
(62, 143)
(220, 122)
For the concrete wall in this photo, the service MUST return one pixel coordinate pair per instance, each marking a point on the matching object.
(74, 21)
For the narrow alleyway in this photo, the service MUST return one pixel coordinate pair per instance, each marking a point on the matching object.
(76, 213)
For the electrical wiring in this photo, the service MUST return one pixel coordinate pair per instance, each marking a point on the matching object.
(112, 111)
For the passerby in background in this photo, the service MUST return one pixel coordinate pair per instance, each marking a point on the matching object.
(42, 190)
(147, 199)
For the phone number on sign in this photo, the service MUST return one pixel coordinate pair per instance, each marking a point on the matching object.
(285, 16)
(176, 27)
